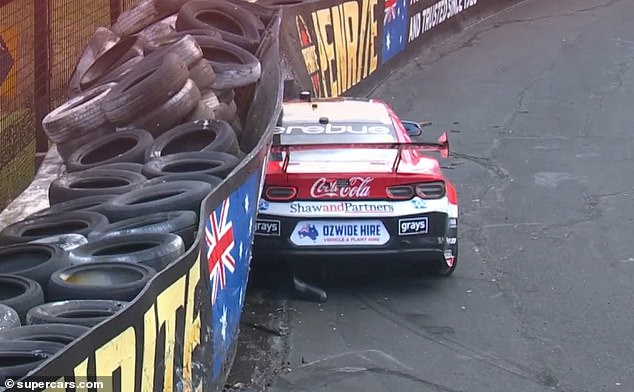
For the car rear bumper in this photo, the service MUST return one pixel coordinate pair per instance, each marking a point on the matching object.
(433, 245)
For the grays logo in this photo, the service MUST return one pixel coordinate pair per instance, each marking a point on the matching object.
(413, 226)
(268, 227)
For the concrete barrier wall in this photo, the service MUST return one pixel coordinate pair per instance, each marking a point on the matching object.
(335, 47)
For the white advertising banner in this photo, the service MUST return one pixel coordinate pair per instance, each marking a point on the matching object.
(340, 233)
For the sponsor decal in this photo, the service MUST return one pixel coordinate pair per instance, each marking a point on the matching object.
(340, 233)
(413, 226)
(263, 205)
(452, 241)
(394, 28)
(343, 207)
(453, 223)
(339, 45)
(309, 52)
(430, 17)
(419, 203)
(355, 187)
(330, 129)
(268, 227)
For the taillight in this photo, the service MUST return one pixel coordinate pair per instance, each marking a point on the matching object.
(280, 193)
(401, 192)
(430, 190)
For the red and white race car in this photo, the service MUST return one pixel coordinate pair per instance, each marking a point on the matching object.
(344, 178)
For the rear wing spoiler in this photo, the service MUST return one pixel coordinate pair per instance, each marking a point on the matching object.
(441, 146)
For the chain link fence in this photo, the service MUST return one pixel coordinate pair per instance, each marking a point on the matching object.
(40, 42)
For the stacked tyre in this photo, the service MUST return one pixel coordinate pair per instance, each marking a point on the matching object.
(152, 127)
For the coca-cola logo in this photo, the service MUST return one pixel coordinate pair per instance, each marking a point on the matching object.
(356, 187)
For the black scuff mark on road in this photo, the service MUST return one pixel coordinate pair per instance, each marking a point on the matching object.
(543, 377)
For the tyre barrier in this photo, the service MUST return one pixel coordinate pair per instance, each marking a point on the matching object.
(214, 66)
(150, 227)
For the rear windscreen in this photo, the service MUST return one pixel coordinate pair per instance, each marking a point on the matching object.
(334, 133)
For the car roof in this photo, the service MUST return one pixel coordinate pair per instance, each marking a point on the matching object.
(338, 110)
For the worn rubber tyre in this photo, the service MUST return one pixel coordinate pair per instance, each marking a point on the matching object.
(67, 148)
(171, 112)
(121, 146)
(64, 241)
(77, 116)
(171, 196)
(210, 99)
(116, 74)
(200, 113)
(31, 229)
(93, 182)
(57, 333)
(134, 167)
(169, 7)
(234, 23)
(236, 125)
(234, 66)
(102, 40)
(153, 81)
(88, 203)
(9, 318)
(99, 280)
(182, 223)
(203, 74)
(197, 136)
(226, 112)
(185, 47)
(22, 356)
(156, 250)
(33, 261)
(225, 95)
(213, 163)
(124, 50)
(20, 293)
(212, 180)
(137, 18)
(86, 312)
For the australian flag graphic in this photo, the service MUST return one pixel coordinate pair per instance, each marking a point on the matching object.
(394, 29)
(229, 233)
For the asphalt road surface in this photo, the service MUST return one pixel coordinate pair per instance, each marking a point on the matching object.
(540, 101)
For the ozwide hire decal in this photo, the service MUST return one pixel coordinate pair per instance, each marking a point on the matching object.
(343, 50)
(229, 234)
(340, 233)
